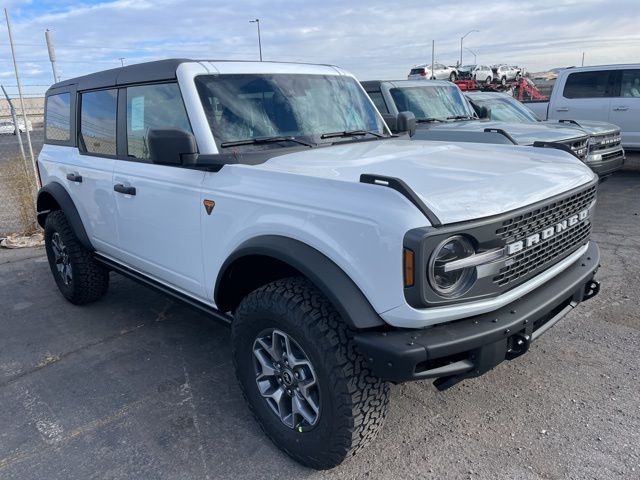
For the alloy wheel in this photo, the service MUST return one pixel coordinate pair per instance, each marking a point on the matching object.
(61, 258)
(286, 379)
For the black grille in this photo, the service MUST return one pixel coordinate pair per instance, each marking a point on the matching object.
(605, 142)
(545, 216)
(541, 255)
(547, 252)
(579, 147)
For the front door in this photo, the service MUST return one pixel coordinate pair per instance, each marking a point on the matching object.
(158, 206)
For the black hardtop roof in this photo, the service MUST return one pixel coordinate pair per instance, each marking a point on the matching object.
(154, 71)
(140, 72)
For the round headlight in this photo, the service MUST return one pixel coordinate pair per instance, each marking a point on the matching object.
(456, 282)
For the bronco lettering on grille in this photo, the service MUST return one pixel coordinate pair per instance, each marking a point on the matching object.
(548, 232)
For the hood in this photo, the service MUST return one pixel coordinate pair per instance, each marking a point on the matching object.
(457, 182)
(592, 127)
(523, 133)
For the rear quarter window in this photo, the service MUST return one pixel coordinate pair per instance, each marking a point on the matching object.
(588, 85)
(58, 118)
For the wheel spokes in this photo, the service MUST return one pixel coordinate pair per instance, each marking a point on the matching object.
(286, 379)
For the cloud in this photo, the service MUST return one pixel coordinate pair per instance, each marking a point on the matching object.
(373, 39)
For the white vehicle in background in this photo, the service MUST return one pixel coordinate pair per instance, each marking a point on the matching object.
(506, 73)
(609, 93)
(440, 72)
(7, 127)
(480, 73)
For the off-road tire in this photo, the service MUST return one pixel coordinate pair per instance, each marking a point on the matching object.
(352, 401)
(90, 280)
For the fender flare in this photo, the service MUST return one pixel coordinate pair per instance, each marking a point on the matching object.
(64, 201)
(325, 274)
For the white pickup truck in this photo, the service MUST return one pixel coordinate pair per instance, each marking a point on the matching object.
(610, 93)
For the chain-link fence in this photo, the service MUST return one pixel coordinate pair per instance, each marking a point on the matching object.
(17, 183)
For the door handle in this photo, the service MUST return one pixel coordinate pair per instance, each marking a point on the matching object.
(120, 188)
(74, 177)
(621, 108)
(562, 109)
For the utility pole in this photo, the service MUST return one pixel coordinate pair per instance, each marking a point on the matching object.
(462, 39)
(583, 59)
(121, 61)
(52, 54)
(433, 55)
(24, 111)
(257, 22)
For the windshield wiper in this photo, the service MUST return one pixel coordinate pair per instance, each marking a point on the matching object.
(460, 117)
(260, 140)
(428, 120)
(351, 133)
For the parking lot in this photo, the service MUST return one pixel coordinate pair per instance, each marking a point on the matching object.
(137, 386)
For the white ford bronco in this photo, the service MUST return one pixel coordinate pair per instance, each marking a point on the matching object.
(273, 197)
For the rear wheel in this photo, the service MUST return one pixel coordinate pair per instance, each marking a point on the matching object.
(79, 277)
(503, 81)
(308, 387)
(452, 77)
(488, 80)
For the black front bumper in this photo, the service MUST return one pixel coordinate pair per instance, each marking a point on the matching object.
(609, 165)
(470, 347)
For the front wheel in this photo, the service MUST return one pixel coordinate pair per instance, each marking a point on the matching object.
(503, 81)
(306, 384)
(452, 77)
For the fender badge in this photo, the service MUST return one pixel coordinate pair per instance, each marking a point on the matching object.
(208, 206)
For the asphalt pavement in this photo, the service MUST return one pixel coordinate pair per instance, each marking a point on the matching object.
(137, 386)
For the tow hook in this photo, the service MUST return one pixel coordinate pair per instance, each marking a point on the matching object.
(520, 346)
(591, 289)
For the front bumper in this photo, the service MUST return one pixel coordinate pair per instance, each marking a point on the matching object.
(472, 346)
(606, 162)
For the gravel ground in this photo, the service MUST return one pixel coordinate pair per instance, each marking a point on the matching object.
(137, 386)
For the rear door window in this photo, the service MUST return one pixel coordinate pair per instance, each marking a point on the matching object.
(378, 101)
(152, 106)
(58, 118)
(630, 83)
(594, 84)
(98, 122)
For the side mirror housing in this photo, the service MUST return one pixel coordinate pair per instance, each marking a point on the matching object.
(171, 146)
(404, 122)
(484, 112)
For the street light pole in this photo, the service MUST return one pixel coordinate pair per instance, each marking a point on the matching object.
(462, 39)
(472, 53)
(257, 22)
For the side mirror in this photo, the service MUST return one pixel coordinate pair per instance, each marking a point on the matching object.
(484, 112)
(171, 146)
(404, 122)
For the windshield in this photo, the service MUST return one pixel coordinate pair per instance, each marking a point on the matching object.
(431, 102)
(258, 106)
(467, 67)
(507, 110)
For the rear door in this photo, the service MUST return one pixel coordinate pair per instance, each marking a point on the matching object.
(159, 221)
(584, 96)
(88, 169)
(625, 107)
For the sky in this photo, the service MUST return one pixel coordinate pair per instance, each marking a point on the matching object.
(373, 39)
